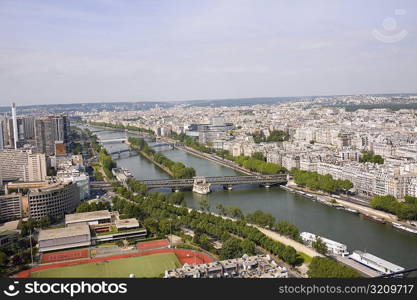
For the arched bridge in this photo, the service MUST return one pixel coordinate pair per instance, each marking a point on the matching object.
(218, 180)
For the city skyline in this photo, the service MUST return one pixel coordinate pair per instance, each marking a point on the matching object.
(103, 51)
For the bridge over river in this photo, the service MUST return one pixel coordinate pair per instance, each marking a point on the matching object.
(226, 181)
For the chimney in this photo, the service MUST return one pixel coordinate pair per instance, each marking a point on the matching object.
(14, 125)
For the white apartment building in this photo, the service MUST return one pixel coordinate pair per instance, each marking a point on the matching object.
(22, 165)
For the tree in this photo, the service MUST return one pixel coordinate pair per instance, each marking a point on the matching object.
(258, 156)
(261, 218)
(222, 210)
(176, 198)
(369, 156)
(3, 259)
(204, 204)
(231, 249)
(234, 212)
(319, 246)
(165, 226)
(45, 222)
(248, 247)
(321, 267)
(288, 229)
(290, 255)
(17, 260)
(151, 224)
(204, 242)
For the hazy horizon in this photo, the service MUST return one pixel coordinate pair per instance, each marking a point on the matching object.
(124, 51)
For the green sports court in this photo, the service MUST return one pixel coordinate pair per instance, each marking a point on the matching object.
(142, 266)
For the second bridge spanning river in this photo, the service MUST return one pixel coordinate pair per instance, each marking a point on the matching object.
(201, 184)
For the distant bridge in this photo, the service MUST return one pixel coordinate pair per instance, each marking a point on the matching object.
(113, 141)
(226, 181)
(101, 185)
(156, 145)
(119, 152)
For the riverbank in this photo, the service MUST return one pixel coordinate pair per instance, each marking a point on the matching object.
(379, 216)
(148, 157)
(357, 232)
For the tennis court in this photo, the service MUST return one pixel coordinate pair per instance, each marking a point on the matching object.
(152, 244)
(64, 255)
(142, 266)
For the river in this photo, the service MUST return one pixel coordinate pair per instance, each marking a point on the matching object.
(357, 233)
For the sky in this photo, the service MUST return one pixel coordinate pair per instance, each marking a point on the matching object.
(59, 51)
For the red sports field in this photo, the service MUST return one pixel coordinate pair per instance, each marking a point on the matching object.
(64, 256)
(152, 244)
(184, 256)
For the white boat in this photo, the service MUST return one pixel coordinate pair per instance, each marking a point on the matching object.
(333, 247)
(200, 185)
(402, 227)
(374, 262)
(127, 172)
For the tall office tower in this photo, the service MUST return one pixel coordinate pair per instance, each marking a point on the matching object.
(20, 130)
(49, 130)
(1, 134)
(29, 127)
(61, 128)
(15, 130)
(9, 134)
(45, 133)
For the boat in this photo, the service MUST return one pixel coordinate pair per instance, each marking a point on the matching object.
(402, 227)
(374, 262)
(374, 218)
(333, 247)
(127, 172)
(354, 211)
(200, 185)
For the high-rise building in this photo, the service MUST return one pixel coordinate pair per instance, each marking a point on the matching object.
(49, 130)
(1, 134)
(22, 165)
(29, 127)
(37, 167)
(15, 130)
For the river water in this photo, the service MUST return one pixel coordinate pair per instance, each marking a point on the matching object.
(357, 233)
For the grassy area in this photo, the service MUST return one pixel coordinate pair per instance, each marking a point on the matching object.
(307, 259)
(142, 266)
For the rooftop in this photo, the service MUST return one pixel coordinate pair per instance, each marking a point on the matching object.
(65, 232)
(87, 216)
(11, 225)
(127, 223)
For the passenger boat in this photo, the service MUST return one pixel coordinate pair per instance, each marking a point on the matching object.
(374, 262)
(333, 247)
(374, 218)
(399, 226)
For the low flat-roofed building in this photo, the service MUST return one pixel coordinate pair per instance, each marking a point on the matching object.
(126, 223)
(7, 237)
(90, 218)
(64, 238)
